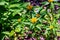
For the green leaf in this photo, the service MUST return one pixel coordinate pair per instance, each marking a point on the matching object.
(14, 5)
(6, 32)
(2, 3)
(43, 10)
(17, 29)
(45, 3)
(12, 33)
(28, 23)
(25, 4)
(38, 27)
(15, 38)
(52, 6)
(58, 33)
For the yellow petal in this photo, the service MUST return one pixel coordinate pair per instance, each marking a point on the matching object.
(33, 20)
(50, 0)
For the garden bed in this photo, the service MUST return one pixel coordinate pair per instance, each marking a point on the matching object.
(30, 20)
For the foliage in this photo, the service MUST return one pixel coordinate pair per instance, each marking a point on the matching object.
(20, 19)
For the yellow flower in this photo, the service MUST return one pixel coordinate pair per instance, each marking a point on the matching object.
(29, 7)
(33, 20)
(50, 0)
(19, 20)
(37, 15)
(51, 27)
